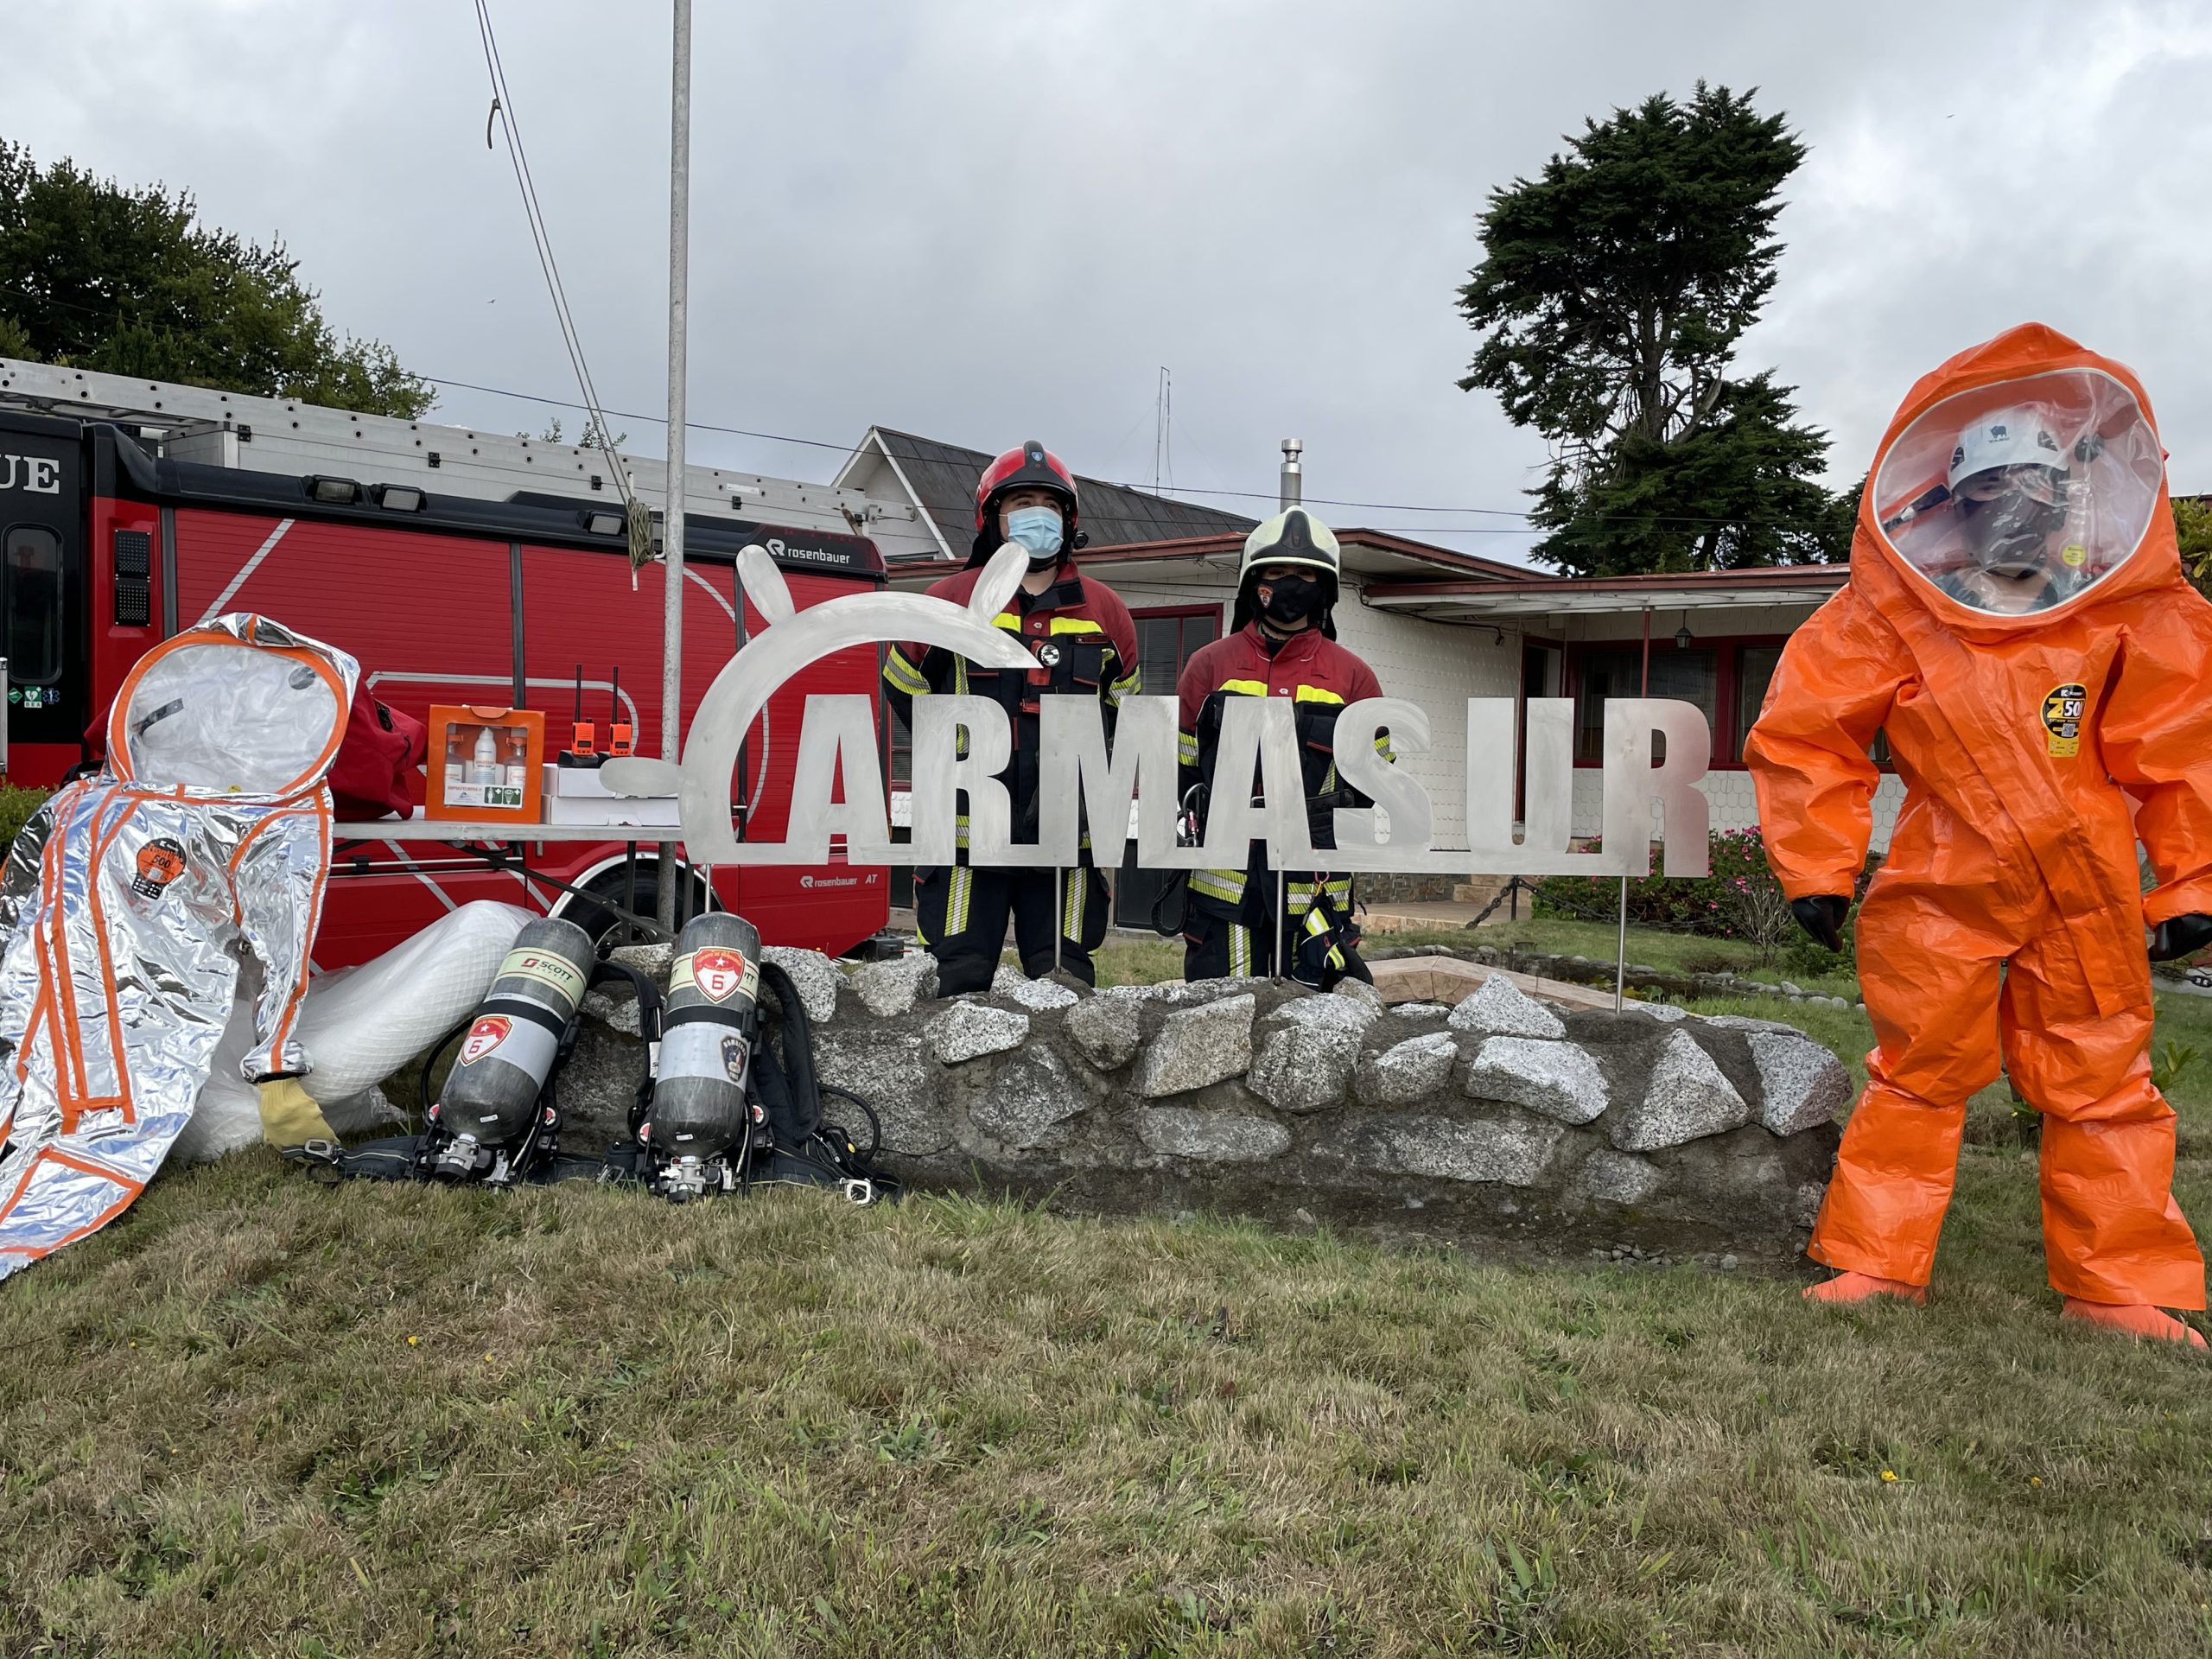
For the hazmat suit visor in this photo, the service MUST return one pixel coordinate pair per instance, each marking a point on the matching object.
(228, 719)
(2015, 497)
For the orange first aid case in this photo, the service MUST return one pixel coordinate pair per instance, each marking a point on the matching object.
(484, 763)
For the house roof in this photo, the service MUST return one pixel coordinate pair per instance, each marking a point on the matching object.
(1375, 554)
(941, 480)
(1688, 590)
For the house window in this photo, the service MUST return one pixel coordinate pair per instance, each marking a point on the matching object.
(1725, 678)
(1692, 676)
(1167, 638)
(1754, 673)
(1755, 666)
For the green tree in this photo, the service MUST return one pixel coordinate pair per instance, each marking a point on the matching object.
(1612, 293)
(129, 282)
(2193, 530)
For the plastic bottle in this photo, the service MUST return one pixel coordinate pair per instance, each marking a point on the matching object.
(484, 768)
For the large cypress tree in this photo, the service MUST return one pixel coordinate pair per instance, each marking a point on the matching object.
(1614, 288)
(129, 282)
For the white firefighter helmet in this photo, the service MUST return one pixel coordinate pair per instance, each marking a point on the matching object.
(1292, 537)
(2008, 437)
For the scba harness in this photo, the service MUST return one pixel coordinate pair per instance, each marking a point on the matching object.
(1319, 678)
(726, 1100)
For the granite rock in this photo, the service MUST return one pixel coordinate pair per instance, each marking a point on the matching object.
(889, 988)
(1503, 1009)
(1404, 1073)
(1559, 1079)
(1801, 1082)
(1106, 1029)
(1211, 1137)
(966, 1031)
(814, 974)
(1199, 1046)
(1688, 1098)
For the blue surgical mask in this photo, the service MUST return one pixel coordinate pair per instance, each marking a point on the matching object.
(1038, 529)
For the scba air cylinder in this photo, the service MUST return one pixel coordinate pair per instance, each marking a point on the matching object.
(706, 1043)
(492, 1092)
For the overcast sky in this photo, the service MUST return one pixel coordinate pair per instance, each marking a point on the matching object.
(983, 221)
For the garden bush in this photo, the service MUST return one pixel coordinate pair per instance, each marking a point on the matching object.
(1739, 899)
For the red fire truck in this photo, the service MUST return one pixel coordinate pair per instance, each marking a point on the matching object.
(110, 543)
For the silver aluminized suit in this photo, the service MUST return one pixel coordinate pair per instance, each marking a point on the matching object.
(129, 900)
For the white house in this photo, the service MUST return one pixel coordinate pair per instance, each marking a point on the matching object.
(1437, 625)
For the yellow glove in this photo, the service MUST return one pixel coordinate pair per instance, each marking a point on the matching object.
(290, 1116)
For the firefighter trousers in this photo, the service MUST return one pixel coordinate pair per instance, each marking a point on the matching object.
(1954, 988)
(960, 914)
(1216, 947)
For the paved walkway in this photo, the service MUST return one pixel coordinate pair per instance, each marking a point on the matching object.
(1447, 980)
(1431, 915)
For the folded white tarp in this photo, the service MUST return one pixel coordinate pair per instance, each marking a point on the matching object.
(361, 1025)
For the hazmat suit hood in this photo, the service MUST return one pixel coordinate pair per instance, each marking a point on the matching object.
(131, 901)
(239, 709)
(2019, 484)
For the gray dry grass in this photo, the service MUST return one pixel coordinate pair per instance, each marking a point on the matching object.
(261, 1417)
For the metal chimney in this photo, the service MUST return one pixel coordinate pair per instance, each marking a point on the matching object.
(1293, 479)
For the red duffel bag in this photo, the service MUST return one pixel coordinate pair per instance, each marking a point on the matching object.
(378, 768)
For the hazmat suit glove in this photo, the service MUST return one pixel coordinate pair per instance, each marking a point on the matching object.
(290, 1116)
(1822, 915)
(2180, 936)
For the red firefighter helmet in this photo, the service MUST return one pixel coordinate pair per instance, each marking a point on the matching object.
(1030, 465)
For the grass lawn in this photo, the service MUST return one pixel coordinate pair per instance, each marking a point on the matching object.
(255, 1416)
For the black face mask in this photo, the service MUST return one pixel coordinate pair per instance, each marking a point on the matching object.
(1291, 599)
(2010, 534)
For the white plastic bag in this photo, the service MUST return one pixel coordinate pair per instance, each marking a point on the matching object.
(358, 1026)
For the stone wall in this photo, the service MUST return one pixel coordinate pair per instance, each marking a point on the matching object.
(1503, 1121)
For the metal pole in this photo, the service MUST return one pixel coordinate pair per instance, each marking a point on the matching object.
(1294, 476)
(679, 262)
(1620, 949)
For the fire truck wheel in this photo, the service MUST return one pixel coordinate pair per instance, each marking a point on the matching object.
(590, 910)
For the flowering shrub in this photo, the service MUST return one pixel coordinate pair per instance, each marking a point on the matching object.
(1740, 899)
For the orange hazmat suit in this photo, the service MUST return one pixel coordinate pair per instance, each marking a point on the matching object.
(2017, 621)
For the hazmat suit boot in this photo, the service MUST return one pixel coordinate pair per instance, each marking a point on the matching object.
(2018, 624)
(2145, 1324)
(1849, 1289)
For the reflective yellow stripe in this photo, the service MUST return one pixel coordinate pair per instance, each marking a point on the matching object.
(1072, 905)
(1244, 688)
(1227, 885)
(1240, 952)
(903, 674)
(956, 904)
(1008, 621)
(1186, 745)
(1315, 694)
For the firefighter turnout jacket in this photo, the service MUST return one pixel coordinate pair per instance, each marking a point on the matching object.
(1318, 676)
(1077, 628)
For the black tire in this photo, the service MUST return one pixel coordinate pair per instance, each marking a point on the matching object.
(590, 912)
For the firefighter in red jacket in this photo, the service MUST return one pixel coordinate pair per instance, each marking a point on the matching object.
(1082, 633)
(1282, 644)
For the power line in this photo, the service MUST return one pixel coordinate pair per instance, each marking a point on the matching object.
(846, 449)
(595, 432)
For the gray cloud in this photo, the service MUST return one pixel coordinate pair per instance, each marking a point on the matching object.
(984, 220)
